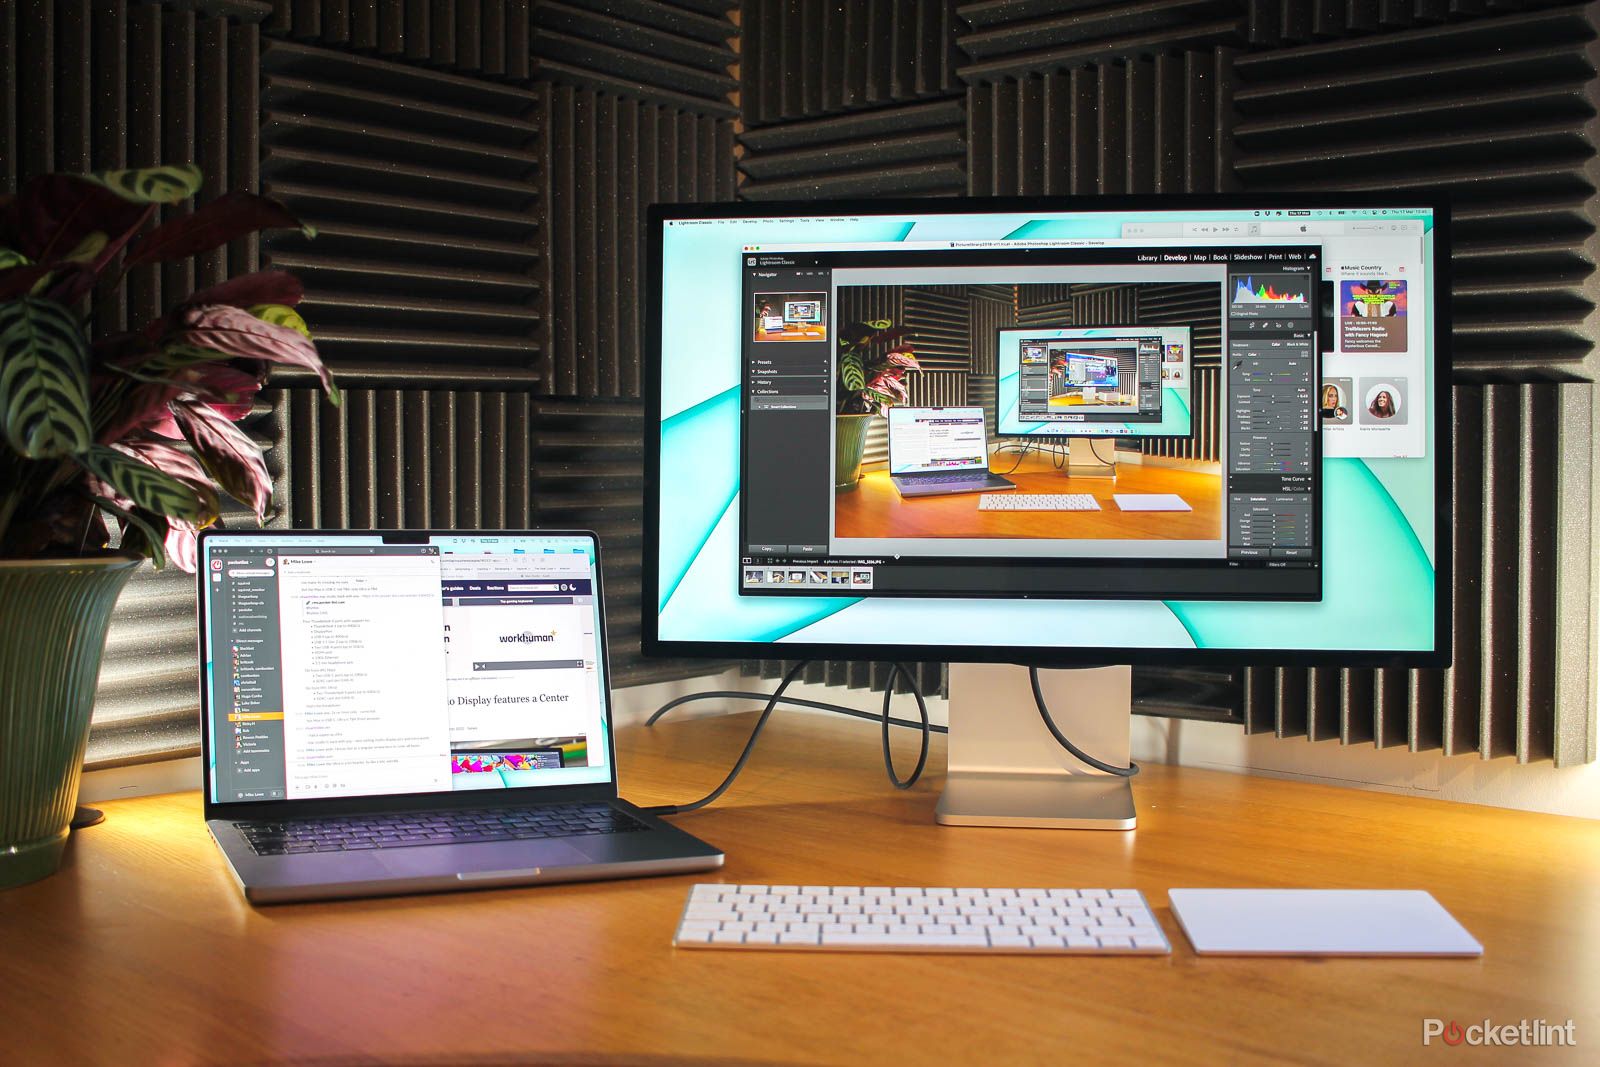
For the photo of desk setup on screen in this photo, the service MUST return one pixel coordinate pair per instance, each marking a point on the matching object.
(789, 317)
(1062, 461)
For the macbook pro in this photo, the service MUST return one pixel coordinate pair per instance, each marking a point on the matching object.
(938, 451)
(409, 712)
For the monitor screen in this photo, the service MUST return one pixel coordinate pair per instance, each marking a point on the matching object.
(339, 665)
(1094, 381)
(1270, 366)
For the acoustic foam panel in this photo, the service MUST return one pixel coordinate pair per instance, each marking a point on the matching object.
(481, 37)
(804, 60)
(1499, 112)
(673, 52)
(909, 150)
(427, 192)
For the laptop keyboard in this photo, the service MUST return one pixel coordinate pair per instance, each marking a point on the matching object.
(952, 479)
(352, 833)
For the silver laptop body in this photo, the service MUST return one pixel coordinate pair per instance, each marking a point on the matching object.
(926, 459)
(404, 712)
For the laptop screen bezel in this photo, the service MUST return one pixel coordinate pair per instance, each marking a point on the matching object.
(390, 802)
(973, 469)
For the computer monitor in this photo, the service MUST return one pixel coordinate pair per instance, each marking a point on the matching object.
(1094, 381)
(1287, 353)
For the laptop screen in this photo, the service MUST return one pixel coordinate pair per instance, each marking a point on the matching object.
(923, 440)
(340, 666)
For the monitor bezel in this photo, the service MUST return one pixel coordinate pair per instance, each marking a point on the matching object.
(1439, 656)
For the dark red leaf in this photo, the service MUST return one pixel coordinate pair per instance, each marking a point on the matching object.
(182, 545)
(19, 281)
(245, 291)
(239, 333)
(146, 407)
(165, 425)
(168, 459)
(53, 213)
(118, 348)
(143, 408)
(118, 242)
(225, 389)
(248, 290)
(212, 225)
(72, 282)
(227, 453)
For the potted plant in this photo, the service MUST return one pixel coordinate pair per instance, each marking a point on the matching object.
(112, 449)
(873, 360)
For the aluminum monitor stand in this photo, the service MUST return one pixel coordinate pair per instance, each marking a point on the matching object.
(1088, 458)
(1006, 770)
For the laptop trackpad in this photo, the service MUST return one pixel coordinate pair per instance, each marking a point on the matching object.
(488, 856)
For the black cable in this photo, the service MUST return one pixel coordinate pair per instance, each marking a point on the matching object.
(922, 708)
(778, 698)
(801, 702)
(1044, 712)
(744, 757)
(1022, 454)
(1093, 447)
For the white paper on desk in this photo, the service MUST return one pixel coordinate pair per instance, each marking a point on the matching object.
(1319, 922)
(1150, 502)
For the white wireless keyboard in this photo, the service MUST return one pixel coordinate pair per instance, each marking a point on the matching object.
(1037, 502)
(887, 919)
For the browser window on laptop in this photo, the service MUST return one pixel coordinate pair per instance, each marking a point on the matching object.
(930, 440)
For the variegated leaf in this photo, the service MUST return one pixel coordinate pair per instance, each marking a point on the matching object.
(44, 381)
(149, 488)
(152, 185)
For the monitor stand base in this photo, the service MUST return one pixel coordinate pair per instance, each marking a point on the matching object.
(1044, 801)
(1083, 460)
(1006, 770)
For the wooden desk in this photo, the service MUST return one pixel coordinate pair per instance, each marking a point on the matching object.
(793, 331)
(875, 509)
(143, 951)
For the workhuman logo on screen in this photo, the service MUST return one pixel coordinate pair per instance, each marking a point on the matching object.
(526, 637)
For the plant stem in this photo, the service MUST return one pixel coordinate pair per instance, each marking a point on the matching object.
(8, 507)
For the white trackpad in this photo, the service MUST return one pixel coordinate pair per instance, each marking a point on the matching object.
(1319, 922)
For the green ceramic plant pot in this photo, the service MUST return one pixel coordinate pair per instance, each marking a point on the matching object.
(849, 445)
(53, 619)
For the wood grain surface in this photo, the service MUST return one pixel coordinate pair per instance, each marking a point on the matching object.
(875, 509)
(143, 951)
